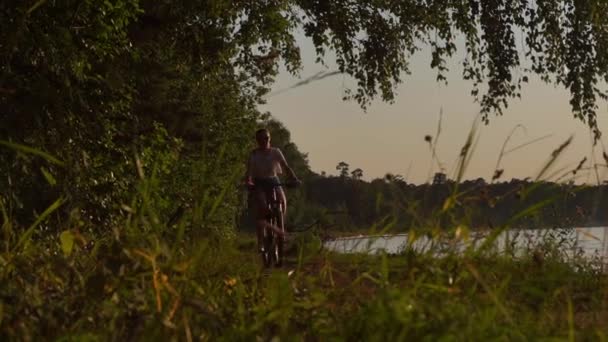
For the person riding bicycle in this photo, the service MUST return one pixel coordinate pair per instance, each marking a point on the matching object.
(264, 165)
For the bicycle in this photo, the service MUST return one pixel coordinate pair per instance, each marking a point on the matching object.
(274, 230)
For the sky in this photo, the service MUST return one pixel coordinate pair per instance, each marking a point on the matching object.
(390, 137)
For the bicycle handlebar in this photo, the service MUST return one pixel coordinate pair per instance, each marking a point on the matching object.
(289, 184)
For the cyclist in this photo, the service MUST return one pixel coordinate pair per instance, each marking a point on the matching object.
(264, 165)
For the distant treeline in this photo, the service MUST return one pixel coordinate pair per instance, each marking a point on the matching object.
(346, 202)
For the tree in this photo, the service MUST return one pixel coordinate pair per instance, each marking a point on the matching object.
(389, 177)
(357, 174)
(564, 42)
(343, 168)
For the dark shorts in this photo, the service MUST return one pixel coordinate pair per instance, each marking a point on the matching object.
(261, 193)
(266, 184)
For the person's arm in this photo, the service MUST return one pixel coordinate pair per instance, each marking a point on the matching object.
(285, 166)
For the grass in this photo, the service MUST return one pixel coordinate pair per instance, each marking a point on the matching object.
(144, 281)
(129, 289)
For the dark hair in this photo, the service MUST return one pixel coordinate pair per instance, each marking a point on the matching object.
(261, 130)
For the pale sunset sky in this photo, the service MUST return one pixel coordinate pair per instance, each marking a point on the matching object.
(390, 137)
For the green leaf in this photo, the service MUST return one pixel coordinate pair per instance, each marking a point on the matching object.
(67, 242)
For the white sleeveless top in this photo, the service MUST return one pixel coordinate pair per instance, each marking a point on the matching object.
(265, 163)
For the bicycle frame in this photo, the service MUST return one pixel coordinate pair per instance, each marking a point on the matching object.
(273, 240)
(273, 233)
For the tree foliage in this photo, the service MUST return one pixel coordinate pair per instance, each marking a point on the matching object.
(343, 168)
(564, 42)
(96, 84)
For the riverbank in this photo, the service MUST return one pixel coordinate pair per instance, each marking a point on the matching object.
(413, 296)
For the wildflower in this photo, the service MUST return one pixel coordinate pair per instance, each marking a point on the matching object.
(230, 282)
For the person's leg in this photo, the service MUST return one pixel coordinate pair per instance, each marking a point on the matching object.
(283, 200)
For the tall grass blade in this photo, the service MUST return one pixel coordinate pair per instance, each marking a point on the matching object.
(48, 176)
(489, 291)
(571, 331)
(7, 227)
(502, 151)
(433, 146)
(527, 143)
(25, 237)
(202, 204)
(35, 6)
(221, 196)
(316, 77)
(466, 153)
(31, 150)
(553, 158)
(530, 210)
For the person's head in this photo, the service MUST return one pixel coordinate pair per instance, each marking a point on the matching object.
(262, 136)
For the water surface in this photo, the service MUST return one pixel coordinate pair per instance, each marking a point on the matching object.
(589, 242)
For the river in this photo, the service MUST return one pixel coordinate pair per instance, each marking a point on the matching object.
(588, 242)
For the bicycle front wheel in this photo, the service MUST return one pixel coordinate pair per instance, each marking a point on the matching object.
(267, 254)
(279, 240)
